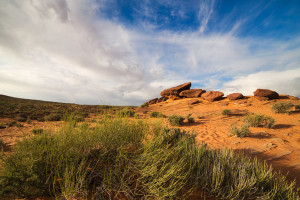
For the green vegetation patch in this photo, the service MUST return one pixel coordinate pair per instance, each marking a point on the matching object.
(116, 159)
(126, 113)
(256, 120)
(243, 132)
(190, 119)
(281, 107)
(156, 114)
(176, 120)
(226, 112)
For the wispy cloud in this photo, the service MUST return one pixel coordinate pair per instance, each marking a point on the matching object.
(63, 51)
(206, 9)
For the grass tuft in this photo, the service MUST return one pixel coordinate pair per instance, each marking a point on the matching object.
(116, 159)
(281, 107)
(243, 132)
(126, 113)
(256, 120)
(226, 112)
(176, 120)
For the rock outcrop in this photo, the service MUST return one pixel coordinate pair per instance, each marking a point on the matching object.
(235, 96)
(153, 101)
(192, 93)
(266, 93)
(162, 99)
(212, 95)
(174, 91)
(193, 101)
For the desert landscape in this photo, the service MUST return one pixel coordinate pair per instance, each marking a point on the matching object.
(149, 100)
(214, 121)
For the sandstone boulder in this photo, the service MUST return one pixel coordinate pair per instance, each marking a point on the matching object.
(153, 101)
(174, 91)
(192, 93)
(235, 96)
(266, 93)
(193, 101)
(212, 95)
(162, 99)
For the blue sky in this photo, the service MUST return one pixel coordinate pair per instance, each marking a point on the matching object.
(122, 52)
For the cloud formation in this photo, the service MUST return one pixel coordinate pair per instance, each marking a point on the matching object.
(64, 50)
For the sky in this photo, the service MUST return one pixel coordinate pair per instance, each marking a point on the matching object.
(125, 52)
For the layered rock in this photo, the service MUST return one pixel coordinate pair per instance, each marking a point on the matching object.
(153, 101)
(266, 93)
(212, 95)
(192, 93)
(174, 91)
(235, 96)
(162, 99)
(193, 101)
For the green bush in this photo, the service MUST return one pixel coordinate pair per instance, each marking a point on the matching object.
(176, 120)
(126, 113)
(22, 119)
(154, 114)
(115, 160)
(190, 119)
(243, 132)
(53, 117)
(38, 131)
(144, 105)
(226, 112)
(12, 123)
(256, 120)
(281, 107)
(145, 111)
(137, 116)
(1, 144)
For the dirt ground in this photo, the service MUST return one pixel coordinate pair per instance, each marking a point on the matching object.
(279, 146)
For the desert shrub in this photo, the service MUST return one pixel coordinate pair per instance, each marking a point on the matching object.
(115, 159)
(297, 107)
(281, 107)
(200, 117)
(176, 120)
(1, 144)
(19, 125)
(269, 122)
(22, 120)
(145, 111)
(144, 105)
(226, 112)
(256, 120)
(37, 131)
(2, 127)
(41, 119)
(154, 114)
(53, 117)
(243, 132)
(126, 113)
(190, 119)
(137, 116)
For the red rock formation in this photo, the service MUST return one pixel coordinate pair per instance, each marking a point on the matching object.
(266, 93)
(212, 95)
(235, 96)
(174, 91)
(192, 93)
(153, 101)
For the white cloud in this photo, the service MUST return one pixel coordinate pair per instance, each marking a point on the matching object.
(284, 82)
(63, 51)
